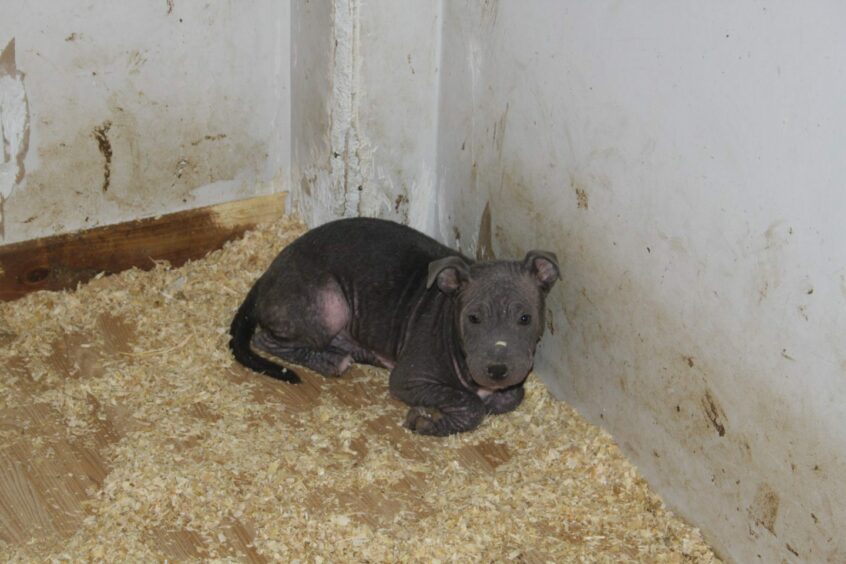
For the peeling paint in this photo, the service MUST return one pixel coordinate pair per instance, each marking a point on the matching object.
(581, 198)
(114, 140)
(380, 149)
(14, 127)
(346, 142)
(335, 188)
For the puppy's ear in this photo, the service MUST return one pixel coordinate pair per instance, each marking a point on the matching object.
(450, 273)
(543, 265)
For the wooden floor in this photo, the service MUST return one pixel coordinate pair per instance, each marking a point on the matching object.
(48, 474)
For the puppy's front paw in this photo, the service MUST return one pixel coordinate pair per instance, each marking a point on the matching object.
(504, 401)
(422, 419)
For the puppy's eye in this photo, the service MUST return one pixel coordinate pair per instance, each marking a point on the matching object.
(474, 319)
(525, 319)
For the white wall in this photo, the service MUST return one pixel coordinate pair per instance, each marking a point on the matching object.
(191, 99)
(685, 162)
(375, 154)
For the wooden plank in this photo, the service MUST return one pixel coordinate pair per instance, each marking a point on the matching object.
(63, 261)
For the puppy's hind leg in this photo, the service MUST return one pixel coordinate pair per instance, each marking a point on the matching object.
(299, 316)
(329, 361)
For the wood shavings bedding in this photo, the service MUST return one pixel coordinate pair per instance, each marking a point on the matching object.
(128, 433)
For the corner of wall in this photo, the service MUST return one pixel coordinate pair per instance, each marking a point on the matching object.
(367, 146)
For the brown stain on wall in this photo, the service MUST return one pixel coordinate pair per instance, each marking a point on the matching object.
(456, 234)
(101, 135)
(499, 129)
(484, 249)
(714, 413)
(218, 137)
(7, 60)
(401, 206)
(764, 508)
(581, 198)
(118, 166)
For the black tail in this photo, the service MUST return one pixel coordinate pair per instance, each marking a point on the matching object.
(242, 329)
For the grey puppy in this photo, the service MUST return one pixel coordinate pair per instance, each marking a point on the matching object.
(458, 336)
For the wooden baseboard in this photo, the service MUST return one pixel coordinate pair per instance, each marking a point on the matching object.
(63, 261)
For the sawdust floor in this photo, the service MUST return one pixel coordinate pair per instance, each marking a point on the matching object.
(128, 434)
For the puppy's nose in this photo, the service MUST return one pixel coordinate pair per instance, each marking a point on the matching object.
(497, 371)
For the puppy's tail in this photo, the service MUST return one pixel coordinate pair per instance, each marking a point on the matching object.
(242, 329)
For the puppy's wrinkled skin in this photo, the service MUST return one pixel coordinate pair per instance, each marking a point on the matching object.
(458, 336)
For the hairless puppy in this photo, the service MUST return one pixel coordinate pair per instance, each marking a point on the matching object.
(458, 336)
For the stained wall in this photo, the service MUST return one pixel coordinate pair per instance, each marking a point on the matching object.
(370, 90)
(685, 163)
(113, 111)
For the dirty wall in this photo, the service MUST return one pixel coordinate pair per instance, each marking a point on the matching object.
(365, 80)
(113, 111)
(685, 163)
